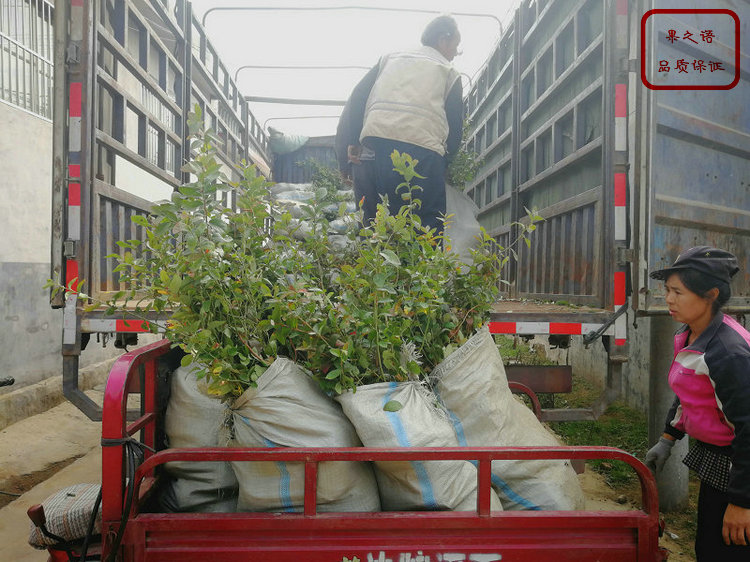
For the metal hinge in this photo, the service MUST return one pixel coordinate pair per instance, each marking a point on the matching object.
(73, 53)
(625, 255)
(70, 248)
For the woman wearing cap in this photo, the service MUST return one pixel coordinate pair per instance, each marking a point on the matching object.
(710, 375)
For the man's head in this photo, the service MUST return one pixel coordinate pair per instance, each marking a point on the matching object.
(442, 34)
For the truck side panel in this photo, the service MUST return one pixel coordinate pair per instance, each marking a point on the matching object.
(538, 115)
(697, 181)
(625, 176)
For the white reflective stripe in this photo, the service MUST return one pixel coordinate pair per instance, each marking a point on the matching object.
(98, 325)
(69, 320)
(108, 325)
(586, 328)
(532, 327)
(74, 222)
(620, 223)
(76, 23)
(621, 133)
(621, 327)
(74, 134)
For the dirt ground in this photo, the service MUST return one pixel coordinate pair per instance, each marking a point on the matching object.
(600, 496)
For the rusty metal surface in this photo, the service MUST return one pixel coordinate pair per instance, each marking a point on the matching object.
(542, 378)
(698, 176)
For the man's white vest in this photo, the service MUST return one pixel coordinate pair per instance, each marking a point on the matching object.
(407, 101)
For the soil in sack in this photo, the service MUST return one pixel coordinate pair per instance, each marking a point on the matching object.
(288, 409)
(407, 415)
(194, 419)
(472, 385)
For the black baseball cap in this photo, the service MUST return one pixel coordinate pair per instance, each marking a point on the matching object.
(715, 262)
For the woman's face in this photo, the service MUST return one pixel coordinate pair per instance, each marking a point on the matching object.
(684, 305)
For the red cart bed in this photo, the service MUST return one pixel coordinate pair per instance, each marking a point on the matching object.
(427, 536)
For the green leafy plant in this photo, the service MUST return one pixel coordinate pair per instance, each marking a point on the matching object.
(211, 266)
(393, 304)
(465, 164)
(249, 283)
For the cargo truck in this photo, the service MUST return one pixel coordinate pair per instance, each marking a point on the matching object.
(571, 115)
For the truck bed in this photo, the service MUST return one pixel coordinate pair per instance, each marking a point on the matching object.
(424, 536)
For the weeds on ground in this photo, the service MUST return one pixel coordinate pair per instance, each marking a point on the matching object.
(620, 426)
(517, 350)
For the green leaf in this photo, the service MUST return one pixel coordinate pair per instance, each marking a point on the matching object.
(186, 360)
(391, 257)
(392, 406)
(140, 220)
(333, 374)
(175, 284)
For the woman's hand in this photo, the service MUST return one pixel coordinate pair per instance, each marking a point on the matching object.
(736, 529)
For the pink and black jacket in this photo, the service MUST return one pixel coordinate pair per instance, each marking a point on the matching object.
(711, 379)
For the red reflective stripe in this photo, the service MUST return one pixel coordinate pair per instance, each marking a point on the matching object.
(74, 194)
(620, 341)
(132, 326)
(622, 7)
(71, 272)
(76, 92)
(572, 328)
(74, 170)
(620, 190)
(76, 2)
(621, 100)
(502, 327)
(619, 288)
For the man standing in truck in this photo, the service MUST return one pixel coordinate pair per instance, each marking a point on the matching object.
(411, 101)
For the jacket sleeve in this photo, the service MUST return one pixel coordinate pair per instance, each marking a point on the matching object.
(341, 142)
(674, 426)
(454, 111)
(358, 104)
(731, 375)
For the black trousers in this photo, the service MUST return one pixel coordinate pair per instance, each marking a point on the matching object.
(365, 190)
(709, 544)
(431, 165)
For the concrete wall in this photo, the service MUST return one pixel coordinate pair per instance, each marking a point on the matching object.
(30, 332)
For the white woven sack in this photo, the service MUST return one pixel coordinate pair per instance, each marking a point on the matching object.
(472, 384)
(194, 419)
(288, 409)
(462, 229)
(407, 485)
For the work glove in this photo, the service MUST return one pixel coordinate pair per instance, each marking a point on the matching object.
(658, 454)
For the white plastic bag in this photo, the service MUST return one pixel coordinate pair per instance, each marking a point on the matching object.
(462, 229)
